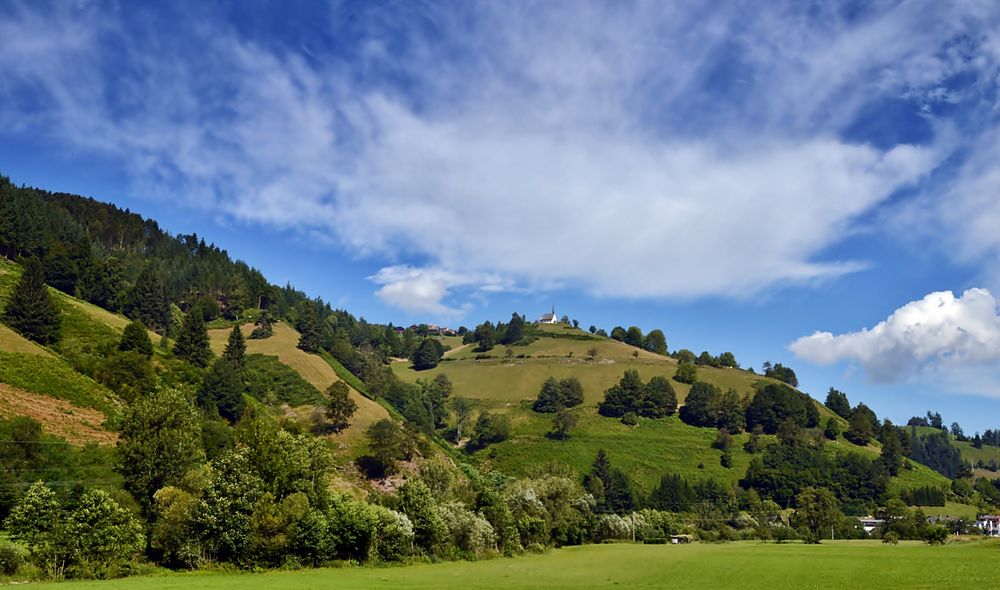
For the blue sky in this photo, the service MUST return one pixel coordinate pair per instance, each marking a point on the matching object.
(810, 183)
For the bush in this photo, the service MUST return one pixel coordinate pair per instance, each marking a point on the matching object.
(726, 460)
(935, 534)
(630, 419)
(782, 533)
(686, 373)
(12, 557)
(891, 538)
(489, 429)
(611, 527)
(557, 395)
(468, 532)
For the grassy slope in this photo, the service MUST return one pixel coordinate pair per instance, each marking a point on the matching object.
(646, 451)
(500, 381)
(747, 565)
(952, 510)
(30, 367)
(11, 341)
(51, 376)
(314, 369)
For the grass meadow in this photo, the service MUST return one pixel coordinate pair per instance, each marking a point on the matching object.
(311, 367)
(744, 565)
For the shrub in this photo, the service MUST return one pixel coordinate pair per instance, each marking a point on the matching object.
(489, 429)
(12, 557)
(612, 527)
(630, 419)
(686, 373)
(935, 534)
(557, 395)
(891, 538)
(468, 531)
(726, 460)
(395, 536)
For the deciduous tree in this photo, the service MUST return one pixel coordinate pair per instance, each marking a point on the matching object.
(340, 407)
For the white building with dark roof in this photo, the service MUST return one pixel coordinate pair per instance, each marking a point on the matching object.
(549, 318)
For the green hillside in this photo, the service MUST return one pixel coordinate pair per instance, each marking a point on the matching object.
(87, 330)
(507, 380)
(499, 380)
(315, 370)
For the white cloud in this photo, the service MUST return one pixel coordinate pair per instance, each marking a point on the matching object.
(425, 290)
(645, 150)
(942, 338)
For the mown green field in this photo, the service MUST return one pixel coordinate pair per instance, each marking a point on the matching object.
(747, 566)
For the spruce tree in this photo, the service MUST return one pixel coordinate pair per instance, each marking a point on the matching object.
(147, 300)
(60, 272)
(236, 349)
(309, 328)
(222, 390)
(135, 337)
(31, 311)
(192, 342)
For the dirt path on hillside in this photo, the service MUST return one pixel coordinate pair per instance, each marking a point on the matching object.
(77, 425)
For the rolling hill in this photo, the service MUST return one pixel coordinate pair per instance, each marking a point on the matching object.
(507, 380)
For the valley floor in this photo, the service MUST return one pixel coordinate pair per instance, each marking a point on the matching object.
(745, 565)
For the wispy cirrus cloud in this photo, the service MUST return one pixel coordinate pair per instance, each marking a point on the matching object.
(632, 150)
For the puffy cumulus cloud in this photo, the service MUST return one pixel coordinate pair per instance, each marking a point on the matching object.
(946, 338)
(644, 149)
(425, 290)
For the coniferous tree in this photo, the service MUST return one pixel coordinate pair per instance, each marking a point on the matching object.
(515, 330)
(427, 354)
(192, 342)
(147, 301)
(611, 487)
(60, 272)
(701, 404)
(311, 334)
(31, 311)
(135, 337)
(861, 425)
(222, 390)
(236, 349)
(660, 398)
(837, 401)
(263, 327)
(892, 448)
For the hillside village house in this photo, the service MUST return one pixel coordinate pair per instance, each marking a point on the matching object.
(989, 524)
(549, 318)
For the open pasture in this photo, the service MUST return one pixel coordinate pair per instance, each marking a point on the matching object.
(744, 566)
